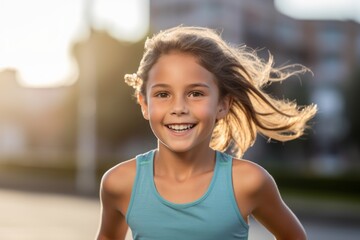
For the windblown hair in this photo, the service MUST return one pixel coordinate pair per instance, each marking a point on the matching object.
(240, 75)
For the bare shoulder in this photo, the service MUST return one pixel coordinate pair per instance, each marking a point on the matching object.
(249, 177)
(115, 192)
(119, 179)
(257, 194)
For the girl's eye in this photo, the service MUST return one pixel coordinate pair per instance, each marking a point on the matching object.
(196, 94)
(162, 95)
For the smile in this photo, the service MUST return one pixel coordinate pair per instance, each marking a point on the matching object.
(180, 127)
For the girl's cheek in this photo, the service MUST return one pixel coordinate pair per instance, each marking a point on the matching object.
(156, 110)
(205, 112)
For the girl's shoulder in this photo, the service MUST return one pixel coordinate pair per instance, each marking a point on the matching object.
(119, 179)
(249, 177)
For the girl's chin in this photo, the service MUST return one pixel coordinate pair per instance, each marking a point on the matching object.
(182, 147)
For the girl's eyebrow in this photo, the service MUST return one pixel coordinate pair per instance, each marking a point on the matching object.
(199, 85)
(160, 85)
(164, 85)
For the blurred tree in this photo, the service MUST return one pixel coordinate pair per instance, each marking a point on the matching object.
(118, 115)
(351, 93)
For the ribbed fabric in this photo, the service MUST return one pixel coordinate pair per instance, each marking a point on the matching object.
(214, 216)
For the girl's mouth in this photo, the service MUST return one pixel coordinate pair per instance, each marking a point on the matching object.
(180, 127)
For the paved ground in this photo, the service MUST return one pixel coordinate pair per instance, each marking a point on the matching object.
(40, 216)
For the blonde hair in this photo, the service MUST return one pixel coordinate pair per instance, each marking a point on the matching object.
(241, 75)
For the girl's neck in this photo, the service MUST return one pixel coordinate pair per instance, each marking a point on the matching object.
(183, 165)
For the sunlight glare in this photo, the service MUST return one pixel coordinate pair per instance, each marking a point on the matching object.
(36, 37)
(125, 20)
(320, 9)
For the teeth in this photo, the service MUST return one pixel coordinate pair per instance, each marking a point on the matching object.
(180, 127)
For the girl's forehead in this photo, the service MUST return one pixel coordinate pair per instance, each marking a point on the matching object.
(179, 65)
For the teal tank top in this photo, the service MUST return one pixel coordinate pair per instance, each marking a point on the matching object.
(213, 216)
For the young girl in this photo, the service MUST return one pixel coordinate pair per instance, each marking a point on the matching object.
(202, 97)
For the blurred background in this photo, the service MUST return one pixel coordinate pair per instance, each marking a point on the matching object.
(66, 115)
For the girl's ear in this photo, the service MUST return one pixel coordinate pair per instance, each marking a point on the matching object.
(223, 107)
(144, 108)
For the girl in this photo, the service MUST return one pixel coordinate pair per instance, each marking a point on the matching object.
(201, 98)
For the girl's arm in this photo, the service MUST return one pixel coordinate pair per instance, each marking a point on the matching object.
(113, 224)
(115, 192)
(272, 212)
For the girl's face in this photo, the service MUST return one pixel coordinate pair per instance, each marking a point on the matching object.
(182, 102)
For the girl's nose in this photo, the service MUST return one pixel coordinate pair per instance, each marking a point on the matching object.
(179, 107)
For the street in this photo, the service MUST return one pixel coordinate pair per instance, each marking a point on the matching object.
(41, 216)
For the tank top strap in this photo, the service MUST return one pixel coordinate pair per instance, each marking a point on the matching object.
(143, 179)
(225, 184)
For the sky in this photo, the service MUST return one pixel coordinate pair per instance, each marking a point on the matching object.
(320, 9)
(36, 35)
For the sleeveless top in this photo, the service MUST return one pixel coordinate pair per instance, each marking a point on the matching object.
(213, 216)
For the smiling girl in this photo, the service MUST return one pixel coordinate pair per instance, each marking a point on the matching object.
(201, 98)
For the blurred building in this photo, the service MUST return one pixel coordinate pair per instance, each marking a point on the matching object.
(331, 49)
(220, 15)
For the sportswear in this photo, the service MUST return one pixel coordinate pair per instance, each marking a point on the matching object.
(213, 216)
